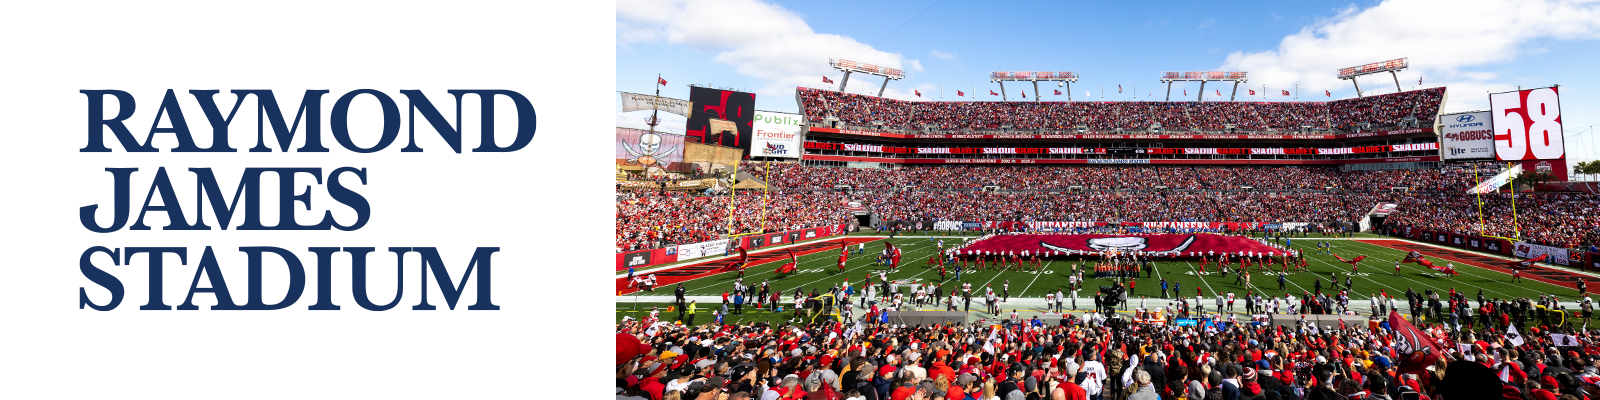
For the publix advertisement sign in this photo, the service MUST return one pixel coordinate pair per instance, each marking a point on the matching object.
(776, 135)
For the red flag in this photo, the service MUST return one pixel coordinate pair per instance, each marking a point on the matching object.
(1058, 92)
(1416, 350)
(1285, 93)
(1119, 88)
(1219, 92)
(1528, 263)
(1024, 94)
(958, 93)
(919, 93)
(663, 82)
(1186, 92)
(1419, 80)
(1329, 94)
(744, 261)
(1253, 93)
(1351, 262)
(894, 254)
(787, 268)
(826, 80)
(992, 93)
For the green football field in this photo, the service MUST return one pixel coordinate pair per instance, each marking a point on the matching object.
(818, 271)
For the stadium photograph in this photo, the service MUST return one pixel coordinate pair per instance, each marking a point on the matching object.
(958, 200)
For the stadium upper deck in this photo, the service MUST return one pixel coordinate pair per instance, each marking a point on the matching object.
(1410, 108)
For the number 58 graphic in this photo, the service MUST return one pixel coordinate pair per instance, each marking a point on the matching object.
(1527, 125)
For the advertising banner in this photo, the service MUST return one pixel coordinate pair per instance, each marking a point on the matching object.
(1499, 246)
(1458, 240)
(645, 102)
(1466, 136)
(691, 251)
(948, 225)
(736, 107)
(1474, 242)
(1594, 261)
(645, 258)
(776, 135)
(1528, 250)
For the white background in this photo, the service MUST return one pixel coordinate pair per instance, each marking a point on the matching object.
(548, 206)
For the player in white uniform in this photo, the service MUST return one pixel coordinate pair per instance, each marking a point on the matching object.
(1049, 301)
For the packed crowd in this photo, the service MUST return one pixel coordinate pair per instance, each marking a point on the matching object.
(1341, 115)
(1386, 109)
(806, 196)
(1510, 353)
(648, 219)
(1093, 177)
(1552, 219)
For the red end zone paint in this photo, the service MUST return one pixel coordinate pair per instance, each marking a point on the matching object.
(762, 261)
(1538, 273)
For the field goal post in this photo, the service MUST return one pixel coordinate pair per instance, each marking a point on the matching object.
(1516, 226)
(733, 201)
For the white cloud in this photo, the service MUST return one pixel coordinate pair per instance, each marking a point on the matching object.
(943, 55)
(1438, 39)
(757, 39)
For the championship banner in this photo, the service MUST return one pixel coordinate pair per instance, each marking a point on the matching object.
(645, 102)
(1495, 182)
(1557, 255)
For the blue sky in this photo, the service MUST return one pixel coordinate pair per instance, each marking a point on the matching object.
(1472, 47)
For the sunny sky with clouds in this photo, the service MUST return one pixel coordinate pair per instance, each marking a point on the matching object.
(1472, 47)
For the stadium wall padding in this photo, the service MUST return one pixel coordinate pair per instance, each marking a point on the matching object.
(669, 254)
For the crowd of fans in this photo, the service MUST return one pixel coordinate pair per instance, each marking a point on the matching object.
(1552, 219)
(1509, 352)
(1342, 115)
(648, 219)
(807, 196)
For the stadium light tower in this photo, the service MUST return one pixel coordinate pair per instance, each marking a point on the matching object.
(851, 66)
(1066, 77)
(1390, 66)
(1237, 77)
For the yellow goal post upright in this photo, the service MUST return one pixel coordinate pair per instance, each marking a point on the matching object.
(1516, 226)
(766, 201)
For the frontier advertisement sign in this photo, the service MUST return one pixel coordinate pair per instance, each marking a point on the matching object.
(1466, 136)
(776, 135)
